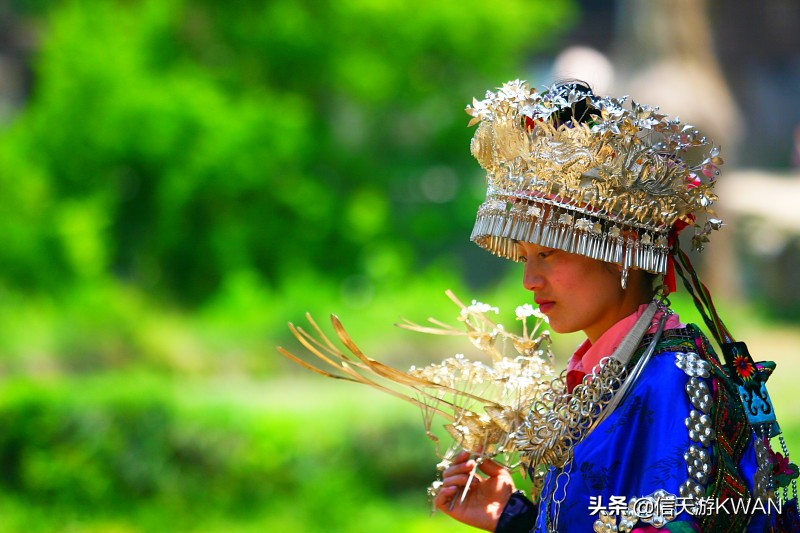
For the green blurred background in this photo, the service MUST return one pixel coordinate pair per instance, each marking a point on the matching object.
(178, 180)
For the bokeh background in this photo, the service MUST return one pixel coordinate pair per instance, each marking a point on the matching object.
(178, 180)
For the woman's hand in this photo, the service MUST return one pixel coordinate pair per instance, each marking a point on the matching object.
(486, 496)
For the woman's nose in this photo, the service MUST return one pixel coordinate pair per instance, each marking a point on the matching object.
(532, 278)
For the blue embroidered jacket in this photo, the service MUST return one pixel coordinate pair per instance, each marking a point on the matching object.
(644, 446)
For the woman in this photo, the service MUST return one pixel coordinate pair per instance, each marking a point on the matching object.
(650, 431)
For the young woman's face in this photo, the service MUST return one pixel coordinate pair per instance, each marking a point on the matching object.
(576, 293)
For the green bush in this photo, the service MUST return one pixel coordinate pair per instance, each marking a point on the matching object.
(186, 177)
(178, 146)
(146, 453)
(129, 453)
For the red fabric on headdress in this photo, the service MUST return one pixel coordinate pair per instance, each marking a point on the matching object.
(670, 280)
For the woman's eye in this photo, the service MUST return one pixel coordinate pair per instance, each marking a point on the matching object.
(545, 254)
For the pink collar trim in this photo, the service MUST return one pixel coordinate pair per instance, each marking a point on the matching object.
(589, 355)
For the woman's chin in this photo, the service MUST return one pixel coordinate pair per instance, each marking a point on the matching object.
(560, 328)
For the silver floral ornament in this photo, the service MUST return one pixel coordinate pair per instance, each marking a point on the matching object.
(692, 365)
(698, 462)
(699, 394)
(699, 425)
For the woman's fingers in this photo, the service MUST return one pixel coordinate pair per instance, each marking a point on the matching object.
(491, 468)
(469, 496)
(461, 457)
(447, 492)
(458, 468)
(487, 466)
(445, 496)
(459, 480)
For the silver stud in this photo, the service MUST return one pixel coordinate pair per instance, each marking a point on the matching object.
(699, 394)
(698, 463)
(699, 426)
(691, 488)
(692, 365)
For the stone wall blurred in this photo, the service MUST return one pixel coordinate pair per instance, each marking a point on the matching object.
(756, 256)
(731, 68)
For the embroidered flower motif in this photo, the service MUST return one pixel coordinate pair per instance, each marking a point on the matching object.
(783, 471)
(744, 367)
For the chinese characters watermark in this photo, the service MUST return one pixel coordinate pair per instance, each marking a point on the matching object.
(670, 506)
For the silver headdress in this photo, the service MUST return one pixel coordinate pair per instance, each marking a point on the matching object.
(571, 170)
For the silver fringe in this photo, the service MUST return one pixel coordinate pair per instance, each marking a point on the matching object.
(501, 225)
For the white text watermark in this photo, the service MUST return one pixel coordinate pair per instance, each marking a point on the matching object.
(670, 506)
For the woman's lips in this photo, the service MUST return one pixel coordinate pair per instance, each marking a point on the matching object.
(544, 307)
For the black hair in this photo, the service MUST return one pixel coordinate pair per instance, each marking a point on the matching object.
(582, 110)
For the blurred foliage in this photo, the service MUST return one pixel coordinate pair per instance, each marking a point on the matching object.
(80, 455)
(136, 453)
(178, 145)
(184, 179)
